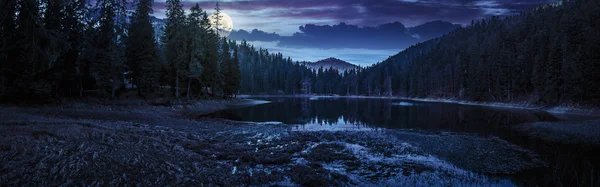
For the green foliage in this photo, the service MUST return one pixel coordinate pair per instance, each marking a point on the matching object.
(142, 50)
(105, 56)
(547, 56)
(231, 69)
(8, 10)
(34, 51)
(210, 63)
(61, 48)
(174, 43)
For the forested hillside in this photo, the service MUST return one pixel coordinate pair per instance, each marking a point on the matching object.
(328, 63)
(48, 49)
(53, 49)
(547, 56)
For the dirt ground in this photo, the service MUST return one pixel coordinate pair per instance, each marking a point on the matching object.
(154, 144)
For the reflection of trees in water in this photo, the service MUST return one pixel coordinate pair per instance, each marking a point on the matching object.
(569, 166)
(381, 113)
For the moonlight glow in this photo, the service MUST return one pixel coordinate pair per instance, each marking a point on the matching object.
(225, 24)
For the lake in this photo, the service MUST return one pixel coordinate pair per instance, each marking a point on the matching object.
(567, 164)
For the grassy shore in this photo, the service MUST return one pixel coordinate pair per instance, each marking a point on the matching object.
(153, 144)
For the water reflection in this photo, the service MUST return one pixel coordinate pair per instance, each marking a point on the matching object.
(384, 113)
(340, 125)
(570, 165)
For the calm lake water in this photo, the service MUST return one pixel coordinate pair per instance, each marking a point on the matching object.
(570, 165)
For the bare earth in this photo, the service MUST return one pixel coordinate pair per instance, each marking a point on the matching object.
(140, 143)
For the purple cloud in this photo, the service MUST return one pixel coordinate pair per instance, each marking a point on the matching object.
(371, 12)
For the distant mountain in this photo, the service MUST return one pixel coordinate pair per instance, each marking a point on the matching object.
(334, 63)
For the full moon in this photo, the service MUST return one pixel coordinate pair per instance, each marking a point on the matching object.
(225, 24)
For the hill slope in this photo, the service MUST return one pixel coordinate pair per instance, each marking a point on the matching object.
(546, 56)
(328, 63)
(432, 29)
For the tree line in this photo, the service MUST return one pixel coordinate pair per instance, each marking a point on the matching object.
(546, 56)
(56, 48)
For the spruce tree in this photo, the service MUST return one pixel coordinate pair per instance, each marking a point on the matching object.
(53, 22)
(235, 71)
(141, 49)
(210, 62)
(225, 69)
(37, 50)
(74, 26)
(174, 43)
(197, 28)
(105, 58)
(8, 26)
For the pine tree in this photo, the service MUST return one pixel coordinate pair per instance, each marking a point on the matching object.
(197, 28)
(235, 72)
(225, 69)
(53, 17)
(37, 51)
(74, 27)
(552, 94)
(210, 62)
(174, 42)
(142, 49)
(106, 60)
(218, 18)
(8, 26)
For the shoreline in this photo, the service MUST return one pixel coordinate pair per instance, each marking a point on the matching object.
(86, 139)
(573, 110)
(186, 150)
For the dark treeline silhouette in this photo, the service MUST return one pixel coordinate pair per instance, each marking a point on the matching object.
(51, 49)
(265, 73)
(546, 56)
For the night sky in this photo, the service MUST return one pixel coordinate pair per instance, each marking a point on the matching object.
(284, 17)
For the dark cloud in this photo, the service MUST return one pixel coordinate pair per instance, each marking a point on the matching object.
(386, 36)
(255, 35)
(375, 12)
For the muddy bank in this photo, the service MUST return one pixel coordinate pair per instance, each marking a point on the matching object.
(205, 107)
(87, 144)
(582, 133)
(490, 155)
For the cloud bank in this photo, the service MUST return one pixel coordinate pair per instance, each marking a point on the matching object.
(284, 16)
(386, 36)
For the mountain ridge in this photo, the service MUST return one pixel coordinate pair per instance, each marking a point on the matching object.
(331, 62)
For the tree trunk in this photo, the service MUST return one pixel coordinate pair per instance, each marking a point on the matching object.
(80, 88)
(177, 85)
(188, 88)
